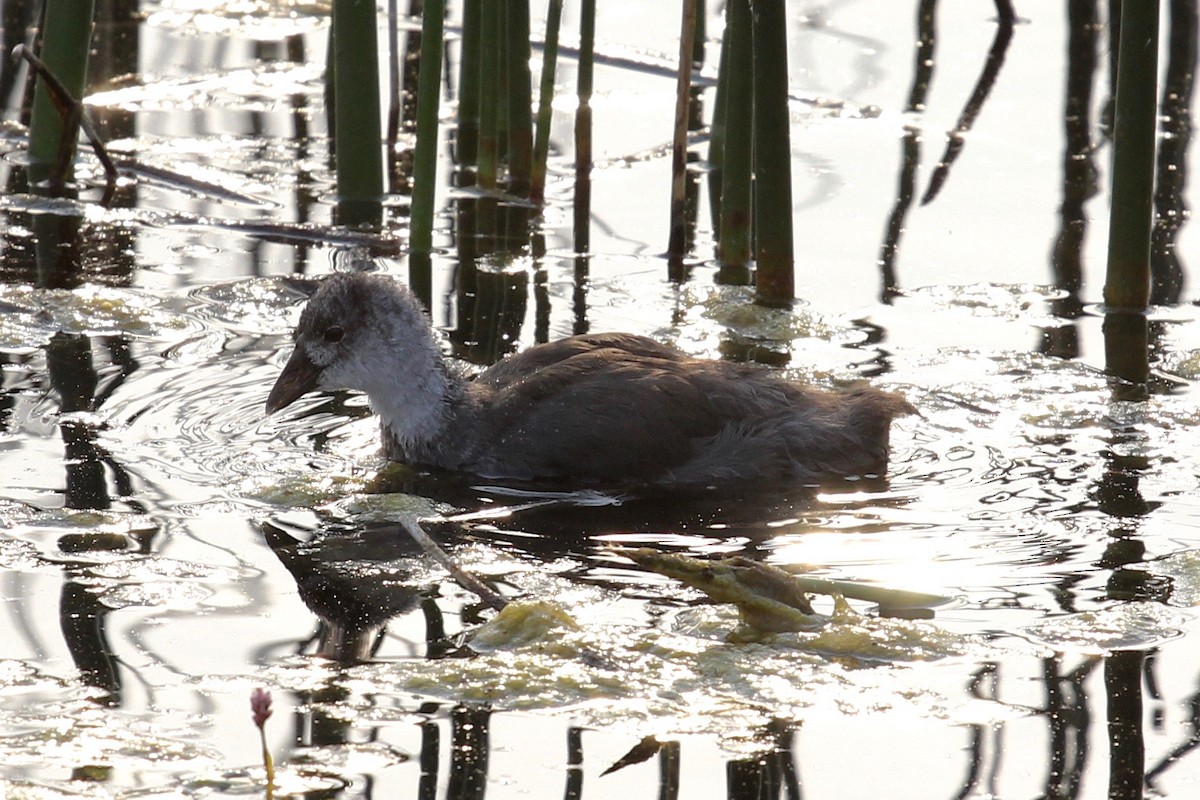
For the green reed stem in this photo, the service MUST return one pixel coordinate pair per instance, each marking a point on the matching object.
(541, 143)
(687, 36)
(329, 101)
(501, 35)
(583, 127)
(520, 98)
(772, 158)
(357, 111)
(467, 140)
(428, 102)
(1127, 285)
(587, 50)
(66, 41)
(489, 122)
(489, 93)
(394, 89)
(734, 233)
(716, 132)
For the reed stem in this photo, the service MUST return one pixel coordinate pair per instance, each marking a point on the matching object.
(716, 131)
(1127, 285)
(583, 127)
(734, 233)
(489, 94)
(774, 259)
(428, 103)
(541, 143)
(687, 36)
(520, 98)
(66, 41)
(357, 112)
(466, 148)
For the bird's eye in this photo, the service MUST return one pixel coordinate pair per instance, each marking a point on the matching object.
(334, 333)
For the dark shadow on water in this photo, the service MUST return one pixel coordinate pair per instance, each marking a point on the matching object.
(554, 513)
(351, 581)
(355, 576)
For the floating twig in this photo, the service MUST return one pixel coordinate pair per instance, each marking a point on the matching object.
(463, 578)
(74, 117)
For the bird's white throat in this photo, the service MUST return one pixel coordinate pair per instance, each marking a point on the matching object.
(413, 396)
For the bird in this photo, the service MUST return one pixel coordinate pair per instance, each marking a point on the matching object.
(604, 408)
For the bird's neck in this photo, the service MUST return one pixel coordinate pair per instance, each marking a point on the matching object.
(416, 401)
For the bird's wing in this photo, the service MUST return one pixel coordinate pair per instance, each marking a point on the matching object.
(521, 365)
(609, 414)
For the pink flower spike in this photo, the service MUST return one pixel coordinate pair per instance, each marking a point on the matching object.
(260, 706)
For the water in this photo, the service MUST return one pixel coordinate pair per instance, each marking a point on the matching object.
(165, 547)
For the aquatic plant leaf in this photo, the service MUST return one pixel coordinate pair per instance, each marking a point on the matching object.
(767, 597)
(644, 750)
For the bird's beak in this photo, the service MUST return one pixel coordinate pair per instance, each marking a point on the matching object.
(299, 377)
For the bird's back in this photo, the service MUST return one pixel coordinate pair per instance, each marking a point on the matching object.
(618, 408)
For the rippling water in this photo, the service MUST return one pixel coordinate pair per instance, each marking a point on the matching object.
(165, 546)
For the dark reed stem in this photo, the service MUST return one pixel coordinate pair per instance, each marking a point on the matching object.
(392, 130)
(428, 101)
(1127, 285)
(520, 98)
(677, 243)
(583, 127)
(466, 150)
(501, 34)
(541, 143)
(716, 131)
(74, 117)
(774, 259)
(330, 99)
(66, 42)
(490, 86)
(357, 112)
(734, 240)
(489, 95)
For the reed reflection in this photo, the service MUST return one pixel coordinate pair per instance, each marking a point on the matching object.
(491, 302)
(1170, 204)
(574, 781)
(1127, 746)
(772, 773)
(1176, 754)
(1005, 20)
(1119, 495)
(74, 378)
(1080, 180)
(910, 149)
(1068, 715)
(983, 685)
(80, 387)
(469, 753)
